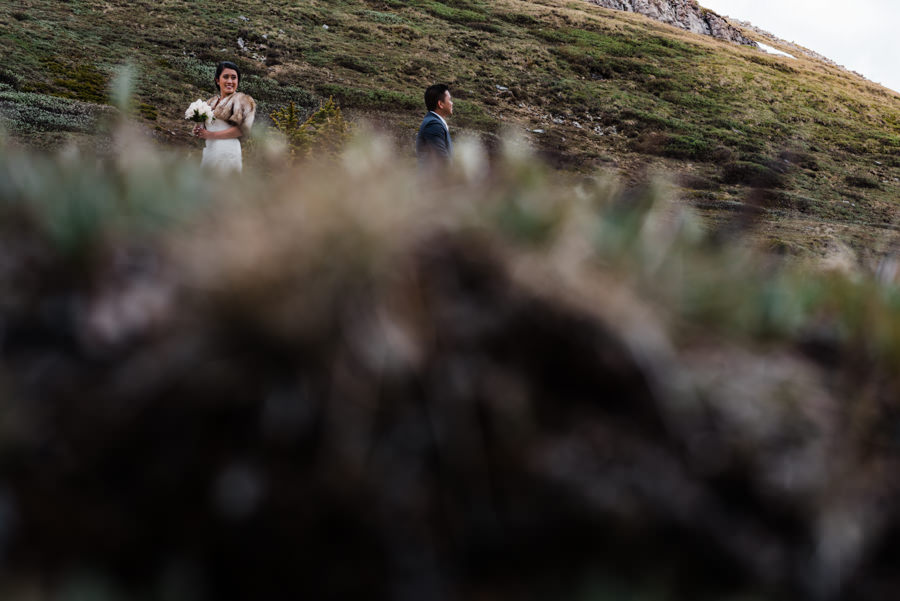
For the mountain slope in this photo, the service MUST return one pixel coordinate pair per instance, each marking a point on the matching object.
(591, 87)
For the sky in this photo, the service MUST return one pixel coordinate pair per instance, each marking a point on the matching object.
(860, 35)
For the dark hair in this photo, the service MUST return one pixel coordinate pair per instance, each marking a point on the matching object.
(226, 65)
(435, 93)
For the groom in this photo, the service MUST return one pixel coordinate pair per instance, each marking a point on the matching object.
(433, 145)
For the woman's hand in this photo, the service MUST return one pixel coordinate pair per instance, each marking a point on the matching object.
(226, 134)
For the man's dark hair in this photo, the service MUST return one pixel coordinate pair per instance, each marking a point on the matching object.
(435, 93)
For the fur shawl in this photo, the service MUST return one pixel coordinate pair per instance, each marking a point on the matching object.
(237, 109)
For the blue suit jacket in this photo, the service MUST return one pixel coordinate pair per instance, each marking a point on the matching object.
(433, 143)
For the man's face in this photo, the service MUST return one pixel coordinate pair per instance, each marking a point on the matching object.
(445, 105)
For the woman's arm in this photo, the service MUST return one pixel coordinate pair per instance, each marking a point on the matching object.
(226, 134)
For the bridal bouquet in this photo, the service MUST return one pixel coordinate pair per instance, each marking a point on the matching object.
(199, 112)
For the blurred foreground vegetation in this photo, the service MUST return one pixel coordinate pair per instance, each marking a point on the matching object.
(344, 380)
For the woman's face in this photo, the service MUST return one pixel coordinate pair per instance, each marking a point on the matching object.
(228, 81)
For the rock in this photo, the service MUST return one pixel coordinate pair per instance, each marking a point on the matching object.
(686, 14)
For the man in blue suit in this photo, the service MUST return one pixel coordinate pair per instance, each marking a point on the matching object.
(433, 145)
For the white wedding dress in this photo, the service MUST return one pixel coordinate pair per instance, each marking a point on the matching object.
(222, 155)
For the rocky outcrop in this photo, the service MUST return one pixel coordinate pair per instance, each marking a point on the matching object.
(686, 14)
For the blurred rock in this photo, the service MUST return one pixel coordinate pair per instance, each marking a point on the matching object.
(499, 388)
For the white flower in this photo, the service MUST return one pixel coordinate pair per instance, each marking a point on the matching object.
(199, 112)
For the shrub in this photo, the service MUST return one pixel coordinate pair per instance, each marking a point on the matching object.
(518, 19)
(752, 174)
(356, 64)
(672, 146)
(804, 160)
(84, 82)
(687, 147)
(862, 181)
(9, 78)
(324, 132)
(148, 111)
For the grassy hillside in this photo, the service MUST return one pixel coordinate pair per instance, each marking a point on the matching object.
(804, 148)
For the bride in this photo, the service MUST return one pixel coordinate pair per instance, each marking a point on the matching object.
(234, 113)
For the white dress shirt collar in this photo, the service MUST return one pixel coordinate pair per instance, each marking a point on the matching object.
(442, 120)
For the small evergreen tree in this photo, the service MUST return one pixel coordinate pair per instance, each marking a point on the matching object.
(323, 133)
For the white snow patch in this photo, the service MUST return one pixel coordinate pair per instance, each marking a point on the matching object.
(776, 51)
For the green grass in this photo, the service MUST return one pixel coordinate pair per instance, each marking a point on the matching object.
(370, 98)
(672, 97)
(30, 113)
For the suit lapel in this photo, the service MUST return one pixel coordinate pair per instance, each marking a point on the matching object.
(446, 133)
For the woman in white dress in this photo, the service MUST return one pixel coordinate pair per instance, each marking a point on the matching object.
(234, 113)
